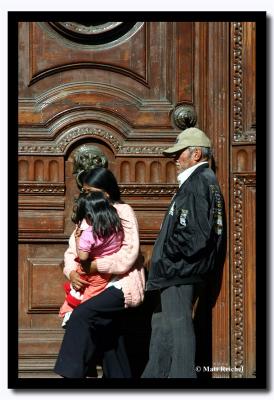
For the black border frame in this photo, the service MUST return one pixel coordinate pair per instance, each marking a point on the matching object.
(262, 379)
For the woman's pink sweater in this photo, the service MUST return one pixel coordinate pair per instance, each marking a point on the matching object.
(126, 263)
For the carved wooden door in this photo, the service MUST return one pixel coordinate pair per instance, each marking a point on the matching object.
(129, 89)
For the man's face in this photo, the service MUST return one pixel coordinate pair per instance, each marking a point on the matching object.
(183, 160)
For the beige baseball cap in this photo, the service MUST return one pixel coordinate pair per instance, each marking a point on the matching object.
(187, 138)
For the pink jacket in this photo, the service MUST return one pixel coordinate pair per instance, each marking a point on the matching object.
(126, 263)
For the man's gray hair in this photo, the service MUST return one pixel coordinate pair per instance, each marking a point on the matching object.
(206, 151)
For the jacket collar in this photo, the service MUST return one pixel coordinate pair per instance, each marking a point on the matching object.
(183, 176)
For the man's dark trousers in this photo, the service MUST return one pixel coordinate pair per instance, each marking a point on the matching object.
(172, 344)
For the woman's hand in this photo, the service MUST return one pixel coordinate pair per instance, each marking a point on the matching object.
(76, 281)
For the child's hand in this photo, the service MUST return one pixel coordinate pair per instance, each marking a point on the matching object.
(77, 233)
(85, 266)
(89, 266)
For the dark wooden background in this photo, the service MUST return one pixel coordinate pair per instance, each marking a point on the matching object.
(121, 96)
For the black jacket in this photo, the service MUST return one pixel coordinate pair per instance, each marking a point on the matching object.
(191, 234)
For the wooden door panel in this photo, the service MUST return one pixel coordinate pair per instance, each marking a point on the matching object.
(43, 263)
(68, 75)
(40, 295)
(62, 54)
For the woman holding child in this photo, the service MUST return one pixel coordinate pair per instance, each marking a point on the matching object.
(94, 324)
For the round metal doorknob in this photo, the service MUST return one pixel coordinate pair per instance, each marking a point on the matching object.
(185, 116)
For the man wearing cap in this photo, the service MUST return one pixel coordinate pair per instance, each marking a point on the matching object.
(184, 253)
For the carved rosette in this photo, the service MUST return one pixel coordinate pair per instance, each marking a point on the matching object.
(238, 274)
(185, 116)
